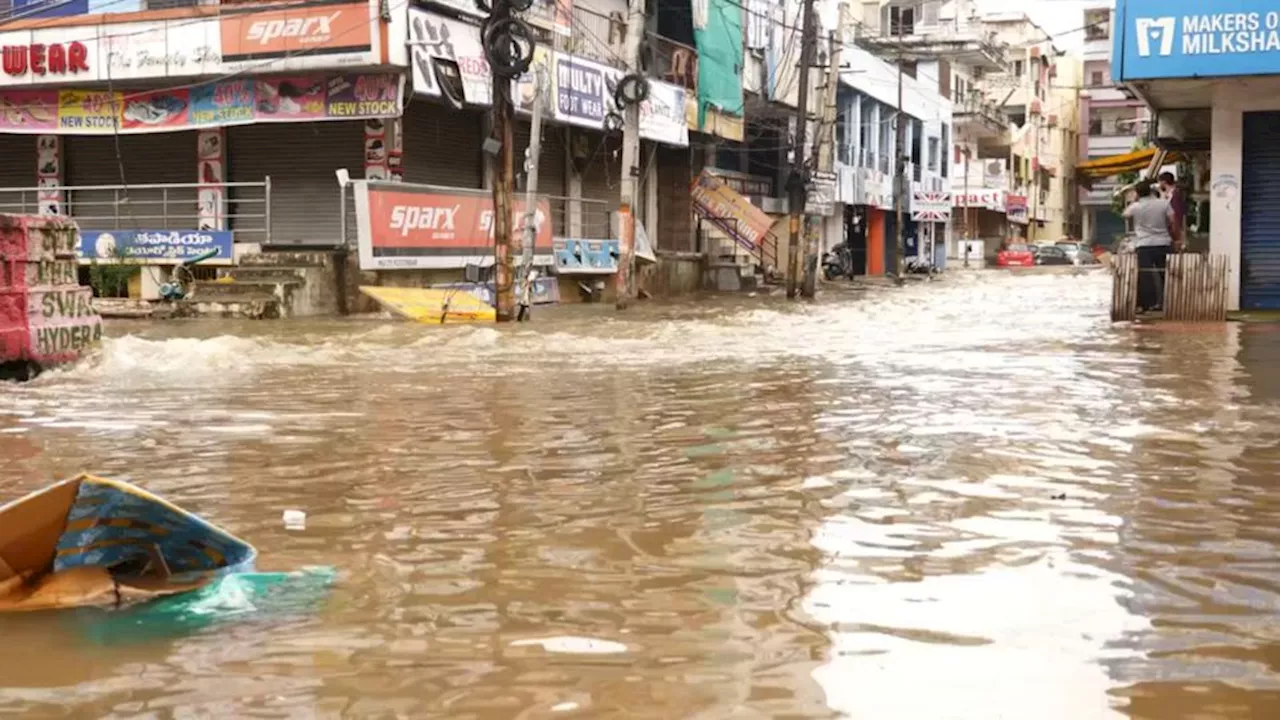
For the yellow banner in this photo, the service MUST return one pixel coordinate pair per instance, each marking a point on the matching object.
(90, 110)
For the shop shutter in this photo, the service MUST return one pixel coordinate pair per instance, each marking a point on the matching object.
(151, 159)
(300, 159)
(601, 180)
(551, 174)
(18, 174)
(1260, 213)
(442, 146)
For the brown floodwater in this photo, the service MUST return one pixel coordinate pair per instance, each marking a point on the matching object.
(969, 499)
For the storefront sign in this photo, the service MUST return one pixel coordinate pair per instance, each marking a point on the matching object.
(294, 30)
(404, 226)
(822, 195)
(435, 38)
(276, 39)
(930, 206)
(39, 60)
(662, 115)
(1016, 208)
(730, 211)
(584, 91)
(585, 257)
(1192, 38)
(231, 102)
(153, 247)
(984, 199)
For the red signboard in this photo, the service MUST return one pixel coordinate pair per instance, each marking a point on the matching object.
(40, 59)
(406, 226)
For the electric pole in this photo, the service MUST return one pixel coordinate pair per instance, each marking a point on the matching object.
(624, 280)
(503, 184)
(900, 168)
(823, 150)
(797, 184)
(530, 235)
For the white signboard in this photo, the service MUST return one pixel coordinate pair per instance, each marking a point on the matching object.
(435, 38)
(662, 117)
(985, 199)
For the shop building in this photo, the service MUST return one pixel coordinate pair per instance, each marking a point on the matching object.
(1211, 79)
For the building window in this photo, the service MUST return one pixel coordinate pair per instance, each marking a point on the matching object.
(933, 154)
(1095, 79)
(942, 153)
(902, 21)
(1019, 67)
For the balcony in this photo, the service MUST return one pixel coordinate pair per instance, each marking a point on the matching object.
(674, 63)
(596, 36)
(960, 40)
(979, 117)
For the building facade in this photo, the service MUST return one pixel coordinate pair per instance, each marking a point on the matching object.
(1114, 122)
(1211, 78)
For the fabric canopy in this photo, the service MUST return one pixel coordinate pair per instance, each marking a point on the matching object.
(1134, 161)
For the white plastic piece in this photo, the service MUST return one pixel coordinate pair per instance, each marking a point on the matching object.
(295, 520)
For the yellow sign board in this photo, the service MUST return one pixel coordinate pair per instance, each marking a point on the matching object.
(428, 305)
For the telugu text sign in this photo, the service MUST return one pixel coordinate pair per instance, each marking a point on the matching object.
(1192, 38)
(154, 247)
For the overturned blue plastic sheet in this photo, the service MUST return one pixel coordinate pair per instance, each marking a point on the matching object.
(231, 598)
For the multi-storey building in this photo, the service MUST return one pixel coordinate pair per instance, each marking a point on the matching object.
(1029, 93)
(1114, 122)
(947, 45)
(874, 64)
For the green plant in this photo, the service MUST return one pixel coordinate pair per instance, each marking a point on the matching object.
(112, 279)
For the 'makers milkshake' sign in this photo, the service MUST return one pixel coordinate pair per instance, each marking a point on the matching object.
(1192, 38)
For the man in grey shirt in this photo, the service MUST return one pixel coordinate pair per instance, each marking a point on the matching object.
(1152, 218)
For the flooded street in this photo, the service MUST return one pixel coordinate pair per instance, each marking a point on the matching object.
(971, 499)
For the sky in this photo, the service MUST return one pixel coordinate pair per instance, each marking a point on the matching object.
(1058, 17)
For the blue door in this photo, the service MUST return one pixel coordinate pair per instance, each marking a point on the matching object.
(1260, 213)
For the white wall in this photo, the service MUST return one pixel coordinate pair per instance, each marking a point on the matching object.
(1231, 99)
(879, 79)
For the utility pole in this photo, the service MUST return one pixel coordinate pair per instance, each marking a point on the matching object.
(625, 280)
(1035, 181)
(503, 120)
(531, 196)
(823, 150)
(900, 168)
(797, 183)
(968, 233)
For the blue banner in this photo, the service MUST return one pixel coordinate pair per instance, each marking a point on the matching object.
(154, 247)
(30, 9)
(1155, 39)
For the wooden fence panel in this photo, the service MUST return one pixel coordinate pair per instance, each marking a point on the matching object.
(1196, 287)
(1124, 287)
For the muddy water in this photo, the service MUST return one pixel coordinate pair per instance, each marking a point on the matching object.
(969, 500)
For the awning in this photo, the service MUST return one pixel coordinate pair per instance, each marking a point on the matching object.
(1159, 158)
(1118, 164)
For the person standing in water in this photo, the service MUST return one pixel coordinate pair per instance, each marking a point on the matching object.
(1152, 219)
(1178, 204)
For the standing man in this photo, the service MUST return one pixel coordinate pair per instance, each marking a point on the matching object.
(1178, 204)
(1152, 237)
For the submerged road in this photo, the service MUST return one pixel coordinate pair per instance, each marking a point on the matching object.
(969, 499)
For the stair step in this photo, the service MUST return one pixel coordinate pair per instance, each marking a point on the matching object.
(279, 275)
(205, 289)
(286, 259)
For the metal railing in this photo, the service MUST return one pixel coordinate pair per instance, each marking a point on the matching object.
(674, 62)
(172, 206)
(581, 218)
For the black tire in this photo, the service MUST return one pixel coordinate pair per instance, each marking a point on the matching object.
(632, 89)
(508, 46)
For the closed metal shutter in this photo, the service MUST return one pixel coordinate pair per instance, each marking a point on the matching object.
(1260, 213)
(442, 146)
(18, 170)
(551, 173)
(300, 159)
(601, 179)
(151, 159)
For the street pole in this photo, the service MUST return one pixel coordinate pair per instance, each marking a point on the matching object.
(899, 197)
(530, 235)
(625, 279)
(968, 233)
(503, 185)
(797, 183)
(1035, 182)
(823, 148)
